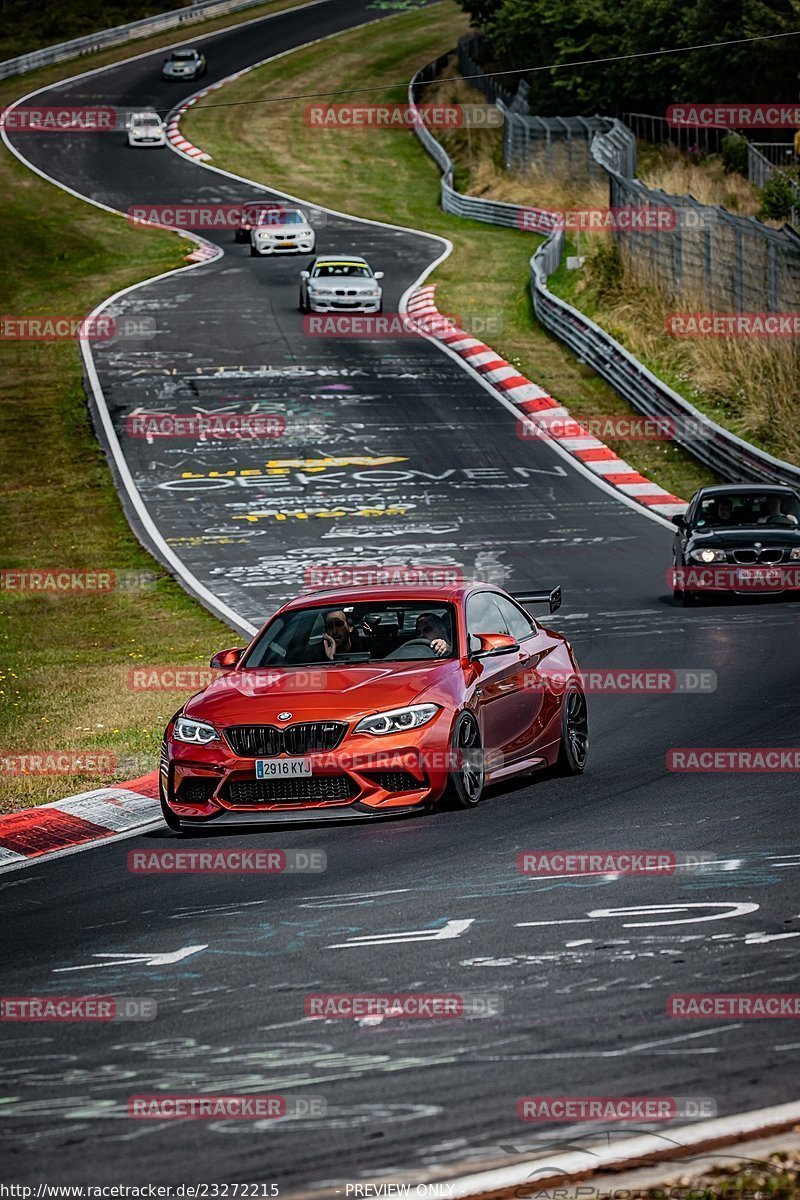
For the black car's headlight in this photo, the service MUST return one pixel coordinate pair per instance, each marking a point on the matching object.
(397, 720)
(794, 555)
(194, 733)
(708, 555)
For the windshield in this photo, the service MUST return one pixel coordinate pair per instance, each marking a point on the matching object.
(146, 121)
(733, 509)
(332, 270)
(279, 216)
(389, 631)
(183, 55)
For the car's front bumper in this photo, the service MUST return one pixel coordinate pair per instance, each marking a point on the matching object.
(320, 305)
(364, 777)
(267, 249)
(154, 141)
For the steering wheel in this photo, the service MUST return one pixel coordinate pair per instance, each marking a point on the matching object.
(415, 642)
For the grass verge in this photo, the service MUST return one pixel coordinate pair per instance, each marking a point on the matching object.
(386, 174)
(64, 658)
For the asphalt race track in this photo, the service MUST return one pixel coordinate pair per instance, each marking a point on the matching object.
(428, 467)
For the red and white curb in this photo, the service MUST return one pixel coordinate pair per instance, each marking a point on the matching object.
(77, 820)
(174, 135)
(540, 409)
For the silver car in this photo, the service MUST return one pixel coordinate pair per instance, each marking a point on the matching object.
(184, 64)
(281, 231)
(146, 129)
(341, 283)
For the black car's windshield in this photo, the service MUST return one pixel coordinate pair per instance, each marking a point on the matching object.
(389, 631)
(725, 510)
(348, 270)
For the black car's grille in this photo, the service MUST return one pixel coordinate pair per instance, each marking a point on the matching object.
(266, 741)
(290, 791)
(395, 781)
(196, 791)
(769, 554)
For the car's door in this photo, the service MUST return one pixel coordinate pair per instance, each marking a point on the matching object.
(499, 691)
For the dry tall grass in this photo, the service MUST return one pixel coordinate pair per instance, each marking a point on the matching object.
(751, 385)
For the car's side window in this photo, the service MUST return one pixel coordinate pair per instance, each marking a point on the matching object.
(520, 625)
(483, 616)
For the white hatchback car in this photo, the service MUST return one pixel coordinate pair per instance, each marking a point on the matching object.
(282, 231)
(146, 129)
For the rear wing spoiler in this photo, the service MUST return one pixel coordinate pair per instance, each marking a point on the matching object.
(551, 598)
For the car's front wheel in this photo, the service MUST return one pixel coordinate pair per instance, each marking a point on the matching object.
(466, 762)
(574, 748)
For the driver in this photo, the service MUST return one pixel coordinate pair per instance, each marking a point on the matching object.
(339, 634)
(774, 511)
(432, 629)
(724, 513)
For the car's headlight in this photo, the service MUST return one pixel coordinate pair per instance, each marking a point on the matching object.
(195, 733)
(794, 555)
(708, 555)
(397, 720)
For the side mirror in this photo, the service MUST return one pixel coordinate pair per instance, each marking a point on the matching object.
(378, 275)
(305, 274)
(494, 643)
(679, 520)
(226, 660)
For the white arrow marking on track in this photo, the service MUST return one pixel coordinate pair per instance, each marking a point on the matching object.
(451, 929)
(141, 960)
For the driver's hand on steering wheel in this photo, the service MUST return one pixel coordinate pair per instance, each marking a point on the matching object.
(440, 646)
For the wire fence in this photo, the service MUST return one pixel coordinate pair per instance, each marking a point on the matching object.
(729, 456)
(718, 258)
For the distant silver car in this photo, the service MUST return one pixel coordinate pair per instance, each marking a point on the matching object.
(184, 64)
(146, 129)
(281, 231)
(340, 283)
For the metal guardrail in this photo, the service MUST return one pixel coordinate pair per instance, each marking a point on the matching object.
(121, 34)
(723, 452)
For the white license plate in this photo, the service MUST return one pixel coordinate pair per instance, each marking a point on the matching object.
(764, 576)
(282, 768)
